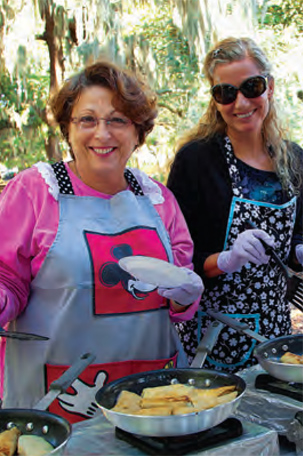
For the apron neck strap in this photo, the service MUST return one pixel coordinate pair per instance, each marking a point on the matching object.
(133, 183)
(66, 187)
(64, 183)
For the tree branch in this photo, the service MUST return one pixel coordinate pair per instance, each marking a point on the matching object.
(179, 112)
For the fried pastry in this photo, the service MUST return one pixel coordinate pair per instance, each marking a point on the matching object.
(227, 398)
(163, 401)
(177, 399)
(155, 411)
(183, 408)
(9, 441)
(291, 358)
(33, 445)
(127, 402)
(212, 392)
(168, 391)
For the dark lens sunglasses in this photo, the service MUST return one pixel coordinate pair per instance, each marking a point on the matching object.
(251, 88)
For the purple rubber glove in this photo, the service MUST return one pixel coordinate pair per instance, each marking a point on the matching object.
(246, 248)
(187, 293)
(299, 253)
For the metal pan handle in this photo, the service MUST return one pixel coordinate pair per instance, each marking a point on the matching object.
(235, 324)
(62, 383)
(207, 343)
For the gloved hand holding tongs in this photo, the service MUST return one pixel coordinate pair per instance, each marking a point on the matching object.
(253, 245)
(257, 246)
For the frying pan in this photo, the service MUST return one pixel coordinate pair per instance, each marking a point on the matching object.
(53, 428)
(269, 351)
(173, 425)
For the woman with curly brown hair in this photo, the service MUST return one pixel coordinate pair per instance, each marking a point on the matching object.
(65, 227)
(239, 184)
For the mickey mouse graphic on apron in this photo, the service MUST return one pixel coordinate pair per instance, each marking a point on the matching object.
(255, 295)
(90, 305)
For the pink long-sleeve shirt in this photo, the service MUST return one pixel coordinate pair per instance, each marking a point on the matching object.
(29, 217)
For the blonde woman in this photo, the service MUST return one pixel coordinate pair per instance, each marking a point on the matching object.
(236, 168)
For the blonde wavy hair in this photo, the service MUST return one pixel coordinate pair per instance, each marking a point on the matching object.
(236, 49)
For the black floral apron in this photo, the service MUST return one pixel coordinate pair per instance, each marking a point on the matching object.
(257, 294)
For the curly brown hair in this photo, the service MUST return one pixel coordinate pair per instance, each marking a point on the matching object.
(132, 96)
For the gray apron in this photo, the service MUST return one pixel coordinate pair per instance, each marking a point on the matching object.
(257, 294)
(84, 302)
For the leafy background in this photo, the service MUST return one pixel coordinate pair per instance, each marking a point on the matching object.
(42, 42)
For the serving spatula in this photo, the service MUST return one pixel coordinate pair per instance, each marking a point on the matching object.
(21, 335)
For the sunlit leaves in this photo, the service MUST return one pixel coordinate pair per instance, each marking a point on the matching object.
(165, 40)
(284, 13)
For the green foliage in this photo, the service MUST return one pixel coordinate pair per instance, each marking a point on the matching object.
(22, 130)
(166, 58)
(8, 97)
(162, 53)
(284, 13)
(150, 37)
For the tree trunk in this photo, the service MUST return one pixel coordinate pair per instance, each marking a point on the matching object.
(55, 49)
(52, 148)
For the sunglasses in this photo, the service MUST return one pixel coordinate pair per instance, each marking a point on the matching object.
(251, 88)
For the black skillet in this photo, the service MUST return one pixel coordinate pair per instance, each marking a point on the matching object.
(53, 428)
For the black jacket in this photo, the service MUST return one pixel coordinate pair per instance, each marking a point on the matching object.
(200, 180)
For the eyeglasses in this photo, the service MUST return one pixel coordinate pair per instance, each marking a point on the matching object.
(91, 122)
(251, 88)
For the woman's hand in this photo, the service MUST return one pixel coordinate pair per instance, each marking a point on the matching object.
(246, 248)
(299, 253)
(187, 293)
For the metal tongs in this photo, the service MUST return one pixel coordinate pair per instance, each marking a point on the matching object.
(241, 327)
(269, 250)
(294, 281)
(21, 335)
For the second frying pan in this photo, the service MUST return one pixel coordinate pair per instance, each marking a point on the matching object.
(269, 351)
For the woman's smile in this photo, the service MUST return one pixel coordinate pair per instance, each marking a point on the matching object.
(102, 138)
(245, 115)
(102, 150)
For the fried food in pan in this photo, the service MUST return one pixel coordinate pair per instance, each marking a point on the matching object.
(127, 402)
(291, 358)
(9, 441)
(155, 411)
(175, 390)
(33, 445)
(163, 401)
(177, 399)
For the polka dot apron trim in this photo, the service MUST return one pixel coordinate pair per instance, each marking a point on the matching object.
(66, 187)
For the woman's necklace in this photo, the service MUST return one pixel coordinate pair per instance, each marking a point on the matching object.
(76, 171)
